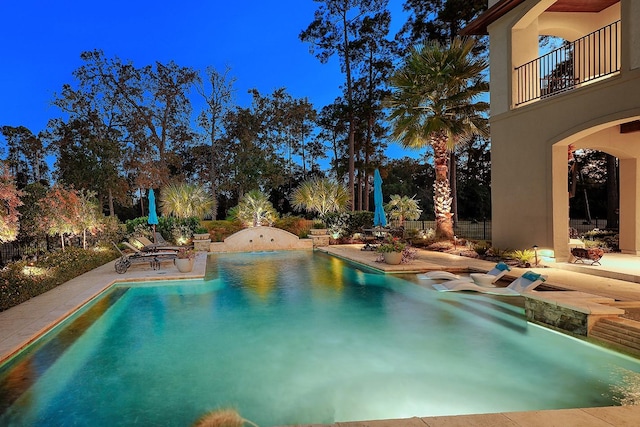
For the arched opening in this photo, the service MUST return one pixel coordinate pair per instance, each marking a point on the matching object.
(609, 149)
(594, 201)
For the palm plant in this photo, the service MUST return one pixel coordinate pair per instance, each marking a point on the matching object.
(185, 200)
(402, 208)
(255, 209)
(433, 103)
(320, 195)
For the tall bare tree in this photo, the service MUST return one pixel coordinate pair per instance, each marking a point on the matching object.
(153, 111)
(26, 154)
(334, 31)
(218, 97)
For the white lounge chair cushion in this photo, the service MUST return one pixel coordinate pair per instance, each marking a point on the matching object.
(527, 282)
(441, 275)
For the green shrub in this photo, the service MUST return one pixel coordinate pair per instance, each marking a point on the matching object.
(293, 224)
(522, 256)
(481, 247)
(499, 253)
(221, 229)
(113, 231)
(346, 224)
(359, 220)
(22, 280)
(338, 224)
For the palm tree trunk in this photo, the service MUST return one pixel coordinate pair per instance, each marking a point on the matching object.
(441, 189)
(453, 182)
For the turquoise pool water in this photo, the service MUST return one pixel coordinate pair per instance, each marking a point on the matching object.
(298, 337)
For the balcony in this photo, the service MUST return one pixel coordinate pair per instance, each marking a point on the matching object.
(586, 60)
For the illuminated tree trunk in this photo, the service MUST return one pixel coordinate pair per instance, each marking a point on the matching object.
(441, 188)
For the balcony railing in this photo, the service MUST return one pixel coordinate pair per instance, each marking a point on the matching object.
(589, 58)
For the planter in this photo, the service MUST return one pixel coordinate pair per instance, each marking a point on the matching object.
(185, 265)
(393, 258)
(318, 232)
(202, 236)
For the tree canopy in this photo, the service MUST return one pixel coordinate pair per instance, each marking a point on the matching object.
(121, 127)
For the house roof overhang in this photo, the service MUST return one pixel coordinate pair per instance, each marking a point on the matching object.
(479, 25)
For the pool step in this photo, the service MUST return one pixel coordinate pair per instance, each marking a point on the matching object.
(619, 332)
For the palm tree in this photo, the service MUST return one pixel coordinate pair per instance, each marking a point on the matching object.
(402, 208)
(433, 103)
(254, 209)
(185, 200)
(320, 195)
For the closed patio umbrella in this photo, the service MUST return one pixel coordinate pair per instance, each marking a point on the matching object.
(153, 216)
(379, 217)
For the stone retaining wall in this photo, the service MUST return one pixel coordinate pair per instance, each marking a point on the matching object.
(570, 311)
(559, 317)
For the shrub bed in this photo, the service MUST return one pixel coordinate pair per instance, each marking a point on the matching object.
(295, 225)
(22, 280)
(221, 229)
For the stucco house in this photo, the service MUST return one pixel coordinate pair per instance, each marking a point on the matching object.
(586, 95)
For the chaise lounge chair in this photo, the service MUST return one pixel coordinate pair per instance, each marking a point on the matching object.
(491, 276)
(149, 246)
(440, 275)
(525, 283)
(153, 258)
(482, 279)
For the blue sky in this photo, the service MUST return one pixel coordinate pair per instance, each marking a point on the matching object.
(41, 42)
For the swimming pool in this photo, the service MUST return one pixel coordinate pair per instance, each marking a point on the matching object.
(301, 337)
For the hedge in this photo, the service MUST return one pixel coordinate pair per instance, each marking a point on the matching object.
(23, 280)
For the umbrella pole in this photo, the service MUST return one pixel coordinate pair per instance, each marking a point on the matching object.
(154, 233)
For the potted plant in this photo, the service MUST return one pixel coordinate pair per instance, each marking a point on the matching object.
(185, 258)
(201, 233)
(391, 250)
(319, 228)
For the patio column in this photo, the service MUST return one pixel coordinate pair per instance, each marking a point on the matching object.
(630, 206)
(560, 200)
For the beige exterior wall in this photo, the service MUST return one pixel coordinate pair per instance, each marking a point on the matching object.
(529, 143)
(631, 34)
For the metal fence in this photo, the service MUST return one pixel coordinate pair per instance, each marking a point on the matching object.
(473, 230)
(13, 251)
(581, 226)
(9, 252)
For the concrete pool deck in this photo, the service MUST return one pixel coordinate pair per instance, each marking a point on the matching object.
(22, 324)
